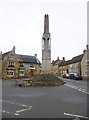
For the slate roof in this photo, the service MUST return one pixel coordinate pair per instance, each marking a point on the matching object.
(56, 62)
(4, 54)
(24, 58)
(77, 58)
(27, 58)
(73, 60)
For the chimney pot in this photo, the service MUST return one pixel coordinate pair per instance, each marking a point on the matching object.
(13, 50)
(84, 51)
(35, 55)
(57, 58)
(87, 47)
(63, 58)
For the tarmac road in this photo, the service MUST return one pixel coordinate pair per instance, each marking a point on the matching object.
(64, 101)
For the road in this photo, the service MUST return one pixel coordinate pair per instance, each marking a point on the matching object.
(65, 101)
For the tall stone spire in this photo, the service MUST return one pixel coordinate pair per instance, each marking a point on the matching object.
(46, 47)
(46, 23)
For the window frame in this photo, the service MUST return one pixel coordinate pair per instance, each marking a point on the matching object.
(87, 62)
(86, 72)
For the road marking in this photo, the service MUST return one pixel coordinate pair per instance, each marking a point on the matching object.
(24, 105)
(9, 112)
(22, 110)
(76, 88)
(18, 111)
(15, 103)
(79, 89)
(83, 90)
(69, 114)
(73, 86)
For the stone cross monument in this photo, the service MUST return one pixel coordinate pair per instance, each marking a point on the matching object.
(46, 47)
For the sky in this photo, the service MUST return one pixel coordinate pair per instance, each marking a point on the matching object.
(22, 26)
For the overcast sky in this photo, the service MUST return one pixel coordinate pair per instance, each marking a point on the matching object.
(22, 26)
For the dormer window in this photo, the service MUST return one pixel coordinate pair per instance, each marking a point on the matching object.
(21, 64)
(31, 65)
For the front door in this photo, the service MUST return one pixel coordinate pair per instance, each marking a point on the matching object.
(31, 72)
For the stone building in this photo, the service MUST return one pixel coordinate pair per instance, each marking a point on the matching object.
(0, 65)
(46, 47)
(85, 63)
(17, 66)
(78, 64)
(71, 66)
(55, 64)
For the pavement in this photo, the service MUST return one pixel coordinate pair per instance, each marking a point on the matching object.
(65, 101)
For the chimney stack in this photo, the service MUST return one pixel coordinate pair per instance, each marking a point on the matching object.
(63, 58)
(13, 50)
(0, 55)
(36, 55)
(84, 51)
(57, 58)
(86, 47)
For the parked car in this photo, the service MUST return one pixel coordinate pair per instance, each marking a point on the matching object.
(66, 75)
(19, 83)
(75, 76)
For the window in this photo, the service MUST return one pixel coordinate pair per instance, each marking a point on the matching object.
(10, 63)
(70, 65)
(26, 65)
(87, 72)
(87, 62)
(31, 65)
(21, 72)
(10, 73)
(21, 64)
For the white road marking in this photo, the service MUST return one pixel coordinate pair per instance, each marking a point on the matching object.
(15, 103)
(16, 114)
(10, 112)
(79, 89)
(24, 105)
(18, 111)
(76, 88)
(22, 110)
(69, 114)
(83, 90)
(73, 86)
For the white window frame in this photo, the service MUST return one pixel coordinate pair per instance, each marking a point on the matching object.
(86, 72)
(10, 73)
(10, 63)
(21, 72)
(87, 62)
(71, 65)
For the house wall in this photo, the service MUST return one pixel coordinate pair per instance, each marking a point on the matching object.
(75, 67)
(0, 68)
(70, 68)
(37, 70)
(84, 66)
(54, 69)
(16, 68)
(6, 68)
(63, 69)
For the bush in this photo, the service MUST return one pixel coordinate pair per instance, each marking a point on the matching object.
(47, 80)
